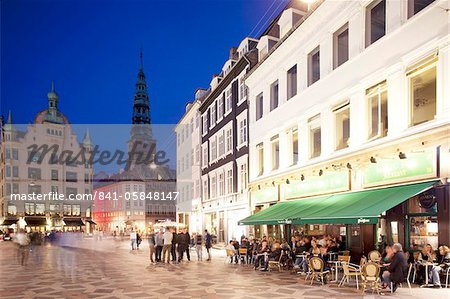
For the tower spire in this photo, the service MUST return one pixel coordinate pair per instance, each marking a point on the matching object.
(141, 103)
(141, 65)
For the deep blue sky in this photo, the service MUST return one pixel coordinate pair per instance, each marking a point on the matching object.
(91, 50)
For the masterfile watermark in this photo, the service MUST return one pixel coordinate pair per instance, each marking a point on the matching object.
(51, 196)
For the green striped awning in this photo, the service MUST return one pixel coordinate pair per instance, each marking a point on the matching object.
(362, 207)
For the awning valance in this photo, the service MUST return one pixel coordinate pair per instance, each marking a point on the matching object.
(11, 221)
(36, 221)
(73, 222)
(362, 207)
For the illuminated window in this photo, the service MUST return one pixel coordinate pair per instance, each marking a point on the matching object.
(342, 116)
(315, 138)
(260, 151)
(422, 92)
(275, 150)
(377, 98)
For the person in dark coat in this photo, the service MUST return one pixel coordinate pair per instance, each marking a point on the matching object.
(187, 243)
(397, 269)
(173, 250)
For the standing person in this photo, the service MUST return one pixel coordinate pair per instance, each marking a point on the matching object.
(208, 244)
(188, 242)
(181, 242)
(151, 245)
(173, 250)
(199, 246)
(133, 239)
(23, 242)
(396, 270)
(167, 237)
(159, 240)
(138, 240)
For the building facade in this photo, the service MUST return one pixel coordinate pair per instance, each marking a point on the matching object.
(188, 165)
(224, 150)
(33, 163)
(361, 102)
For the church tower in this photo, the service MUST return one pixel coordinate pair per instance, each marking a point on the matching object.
(141, 141)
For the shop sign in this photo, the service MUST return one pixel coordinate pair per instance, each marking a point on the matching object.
(427, 199)
(266, 194)
(416, 166)
(329, 182)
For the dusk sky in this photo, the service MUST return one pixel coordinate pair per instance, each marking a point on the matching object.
(91, 50)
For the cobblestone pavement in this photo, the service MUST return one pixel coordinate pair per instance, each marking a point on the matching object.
(108, 269)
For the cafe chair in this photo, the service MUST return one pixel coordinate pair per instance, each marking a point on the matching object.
(276, 264)
(370, 275)
(316, 265)
(374, 256)
(229, 257)
(243, 254)
(349, 271)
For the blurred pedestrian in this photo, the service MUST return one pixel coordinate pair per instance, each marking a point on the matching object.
(151, 245)
(199, 246)
(23, 242)
(167, 245)
(208, 244)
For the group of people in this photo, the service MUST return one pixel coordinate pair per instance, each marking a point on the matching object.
(168, 246)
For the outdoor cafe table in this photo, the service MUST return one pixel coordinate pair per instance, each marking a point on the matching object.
(427, 264)
(336, 269)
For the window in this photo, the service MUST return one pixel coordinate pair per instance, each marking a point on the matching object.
(76, 210)
(228, 100)
(8, 171)
(67, 210)
(229, 181)
(12, 210)
(221, 144)
(229, 140)
(422, 92)
(213, 149)
(40, 209)
(415, 6)
(71, 176)
(15, 171)
(213, 114)
(182, 164)
(275, 144)
(36, 189)
(243, 131)
(340, 47)
(221, 185)
(375, 21)
(205, 189)
(15, 189)
(34, 173)
(54, 175)
(214, 187)
(294, 146)
(315, 138)
(29, 208)
(205, 124)
(54, 209)
(242, 89)
(71, 192)
(260, 151)
(205, 156)
(243, 185)
(15, 154)
(342, 117)
(220, 110)
(292, 82)
(192, 125)
(8, 154)
(197, 154)
(378, 111)
(178, 139)
(314, 66)
(274, 95)
(259, 106)
(54, 189)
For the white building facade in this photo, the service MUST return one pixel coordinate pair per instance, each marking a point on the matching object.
(348, 87)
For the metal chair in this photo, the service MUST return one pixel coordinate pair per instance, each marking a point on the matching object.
(370, 275)
(374, 256)
(316, 265)
(276, 264)
(349, 271)
(243, 254)
(230, 255)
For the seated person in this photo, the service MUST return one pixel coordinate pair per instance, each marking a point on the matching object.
(261, 254)
(231, 247)
(444, 263)
(426, 255)
(313, 251)
(274, 255)
(387, 255)
(396, 269)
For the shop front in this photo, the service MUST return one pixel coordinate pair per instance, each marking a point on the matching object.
(359, 215)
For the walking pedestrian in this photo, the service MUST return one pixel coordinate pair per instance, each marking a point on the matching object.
(188, 243)
(167, 245)
(159, 240)
(208, 244)
(133, 239)
(151, 245)
(181, 243)
(199, 246)
(23, 242)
